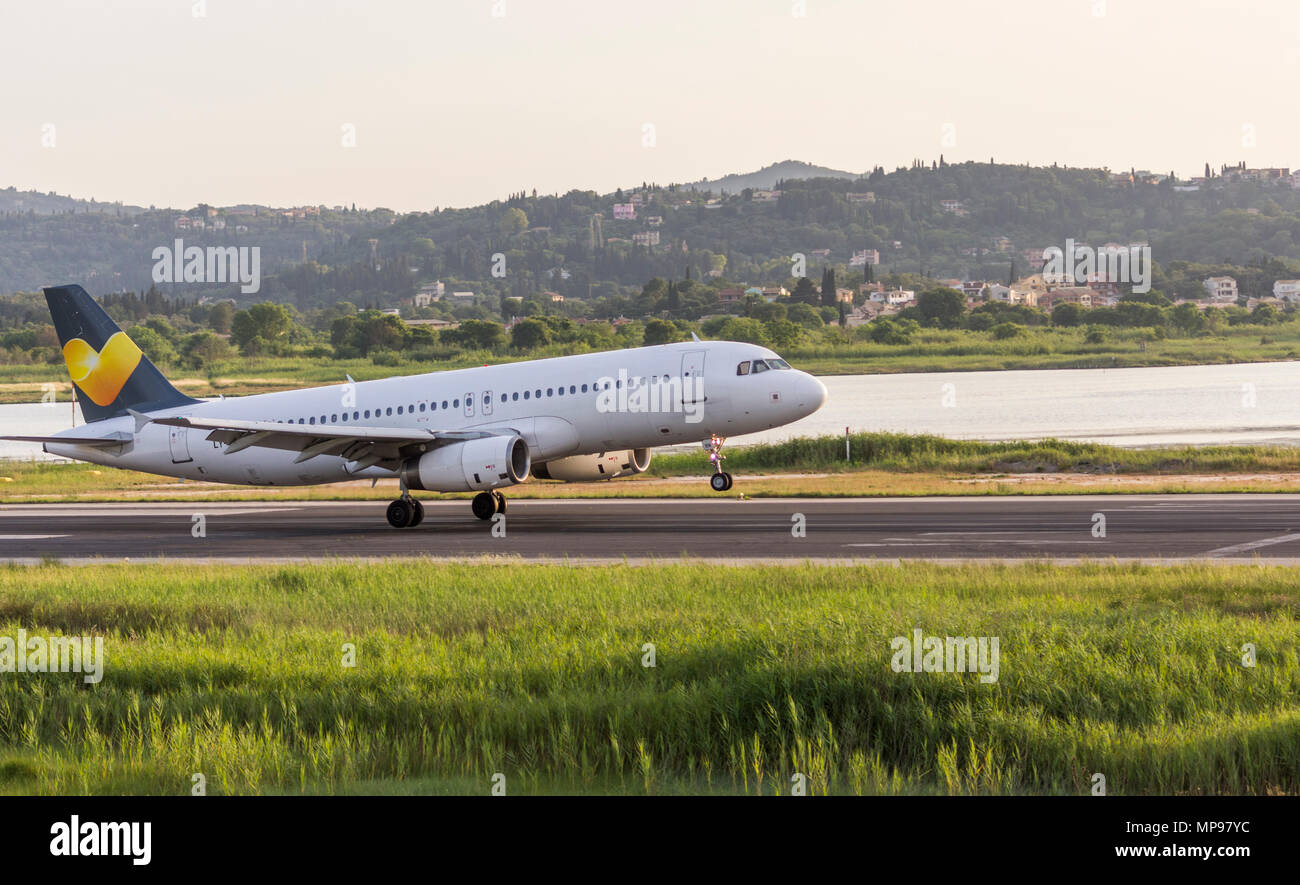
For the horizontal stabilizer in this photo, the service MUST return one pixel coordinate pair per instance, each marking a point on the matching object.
(113, 439)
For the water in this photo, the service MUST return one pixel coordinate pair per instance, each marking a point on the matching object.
(1246, 403)
(1191, 405)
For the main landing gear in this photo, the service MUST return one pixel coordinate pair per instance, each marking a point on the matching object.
(720, 481)
(405, 512)
(487, 504)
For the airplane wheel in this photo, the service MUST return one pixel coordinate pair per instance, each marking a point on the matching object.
(484, 505)
(728, 476)
(720, 482)
(399, 514)
(501, 502)
(417, 513)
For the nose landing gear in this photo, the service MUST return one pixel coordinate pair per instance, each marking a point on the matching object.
(720, 481)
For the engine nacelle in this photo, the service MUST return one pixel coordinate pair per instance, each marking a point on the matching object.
(470, 466)
(591, 468)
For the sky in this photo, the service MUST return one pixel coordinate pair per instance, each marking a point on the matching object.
(416, 105)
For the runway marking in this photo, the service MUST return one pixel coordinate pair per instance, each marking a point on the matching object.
(29, 537)
(951, 544)
(196, 507)
(1013, 532)
(1254, 545)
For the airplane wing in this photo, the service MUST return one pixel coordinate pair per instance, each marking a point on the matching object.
(370, 446)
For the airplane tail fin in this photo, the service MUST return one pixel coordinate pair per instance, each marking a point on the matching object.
(110, 372)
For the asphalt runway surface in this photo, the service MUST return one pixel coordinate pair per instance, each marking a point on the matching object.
(1229, 528)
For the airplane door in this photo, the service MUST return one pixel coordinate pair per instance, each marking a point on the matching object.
(469, 405)
(693, 377)
(179, 440)
(487, 402)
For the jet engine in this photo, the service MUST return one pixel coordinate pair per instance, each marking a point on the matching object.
(590, 468)
(473, 465)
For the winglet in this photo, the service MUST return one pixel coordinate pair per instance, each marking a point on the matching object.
(695, 337)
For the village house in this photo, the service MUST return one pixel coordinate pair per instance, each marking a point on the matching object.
(1222, 290)
(1287, 290)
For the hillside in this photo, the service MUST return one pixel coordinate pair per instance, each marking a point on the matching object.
(768, 177)
(969, 220)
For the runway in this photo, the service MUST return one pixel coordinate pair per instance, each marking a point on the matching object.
(1228, 528)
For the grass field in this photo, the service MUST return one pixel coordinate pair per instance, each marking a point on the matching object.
(463, 671)
(932, 350)
(883, 464)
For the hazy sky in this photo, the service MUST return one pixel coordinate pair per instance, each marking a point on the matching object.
(454, 103)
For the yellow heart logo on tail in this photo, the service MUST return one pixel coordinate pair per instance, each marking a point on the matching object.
(102, 375)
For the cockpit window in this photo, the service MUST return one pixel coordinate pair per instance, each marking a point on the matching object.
(743, 368)
(760, 366)
(778, 364)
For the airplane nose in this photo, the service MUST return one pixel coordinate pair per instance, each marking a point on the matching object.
(812, 393)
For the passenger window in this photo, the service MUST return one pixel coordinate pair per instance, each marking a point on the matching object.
(389, 411)
(743, 368)
(399, 410)
(411, 408)
(334, 419)
(421, 407)
(356, 415)
(313, 419)
(456, 403)
(538, 394)
(573, 388)
(322, 419)
(515, 396)
(503, 397)
(367, 413)
(345, 416)
(444, 404)
(559, 391)
(584, 388)
(525, 394)
(550, 391)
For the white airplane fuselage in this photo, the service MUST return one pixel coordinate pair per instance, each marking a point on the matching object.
(553, 404)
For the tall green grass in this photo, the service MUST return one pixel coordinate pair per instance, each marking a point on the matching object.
(913, 453)
(466, 670)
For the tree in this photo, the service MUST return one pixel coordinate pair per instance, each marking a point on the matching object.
(805, 315)
(528, 334)
(828, 287)
(512, 221)
(156, 347)
(887, 331)
(805, 292)
(476, 335)
(782, 333)
(1187, 318)
(942, 306)
(1067, 314)
(1003, 331)
(220, 316)
(269, 321)
(204, 348)
(660, 332)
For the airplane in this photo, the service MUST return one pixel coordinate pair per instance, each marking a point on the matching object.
(583, 418)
